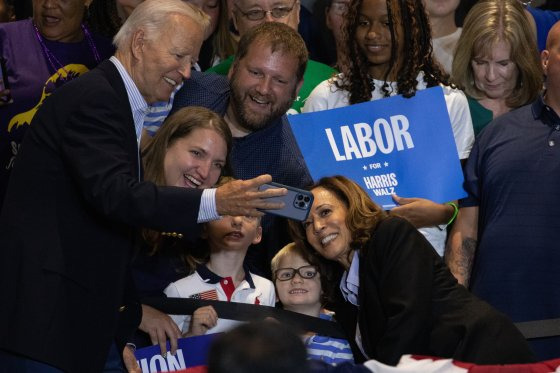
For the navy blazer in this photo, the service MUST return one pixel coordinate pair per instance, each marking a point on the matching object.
(68, 224)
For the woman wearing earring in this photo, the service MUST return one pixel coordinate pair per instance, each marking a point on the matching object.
(39, 55)
(396, 296)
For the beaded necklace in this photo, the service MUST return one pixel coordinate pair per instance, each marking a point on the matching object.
(54, 62)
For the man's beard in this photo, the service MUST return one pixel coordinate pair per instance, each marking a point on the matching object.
(249, 120)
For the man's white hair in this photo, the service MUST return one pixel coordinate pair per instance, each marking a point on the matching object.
(152, 17)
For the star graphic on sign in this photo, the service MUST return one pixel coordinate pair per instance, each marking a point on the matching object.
(365, 167)
(386, 164)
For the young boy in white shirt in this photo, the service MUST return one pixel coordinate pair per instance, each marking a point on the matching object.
(223, 277)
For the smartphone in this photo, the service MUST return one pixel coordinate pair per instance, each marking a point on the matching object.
(297, 202)
(4, 81)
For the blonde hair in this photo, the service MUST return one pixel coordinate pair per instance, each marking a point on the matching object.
(324, 268)
(487, 23)
(290, 248)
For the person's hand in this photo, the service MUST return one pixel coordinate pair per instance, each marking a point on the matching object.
(160, 327)
(422, 212)
(130, 363)
(242, 198)
(203, 318)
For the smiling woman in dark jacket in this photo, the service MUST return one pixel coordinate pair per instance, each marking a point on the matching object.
(396, 295)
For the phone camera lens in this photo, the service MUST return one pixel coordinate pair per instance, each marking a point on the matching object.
(306, 199)
(301, 204)
(299, 197)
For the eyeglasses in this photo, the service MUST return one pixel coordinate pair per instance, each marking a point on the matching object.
(305, 272)
(258, 14)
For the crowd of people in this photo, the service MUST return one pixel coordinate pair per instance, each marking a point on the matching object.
(135, 135)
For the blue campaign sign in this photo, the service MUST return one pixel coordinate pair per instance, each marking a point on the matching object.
(191, 356)
(395, 145)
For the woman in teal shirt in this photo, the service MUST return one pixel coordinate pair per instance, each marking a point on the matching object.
(496, 62)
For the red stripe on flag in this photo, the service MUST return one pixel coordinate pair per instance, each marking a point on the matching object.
(209, 295)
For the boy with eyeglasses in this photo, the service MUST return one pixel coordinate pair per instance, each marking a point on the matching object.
(301, 288)
(223, 277)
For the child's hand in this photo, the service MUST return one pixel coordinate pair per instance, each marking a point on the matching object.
(203, 318)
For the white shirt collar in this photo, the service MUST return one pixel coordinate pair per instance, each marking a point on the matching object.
(138, 104)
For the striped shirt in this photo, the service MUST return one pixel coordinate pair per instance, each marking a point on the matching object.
(332, 351)
(157, 112)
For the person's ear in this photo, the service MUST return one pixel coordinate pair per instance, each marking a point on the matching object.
(258, 236)
(544, 60)
(232, 69)
(299, 85)
(234, 21)
(138, 43)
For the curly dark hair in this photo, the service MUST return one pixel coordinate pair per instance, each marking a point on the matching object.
(408, 17)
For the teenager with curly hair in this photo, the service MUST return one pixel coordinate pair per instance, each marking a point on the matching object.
(390, 53)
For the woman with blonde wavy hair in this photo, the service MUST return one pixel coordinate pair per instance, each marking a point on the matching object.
(496, 62)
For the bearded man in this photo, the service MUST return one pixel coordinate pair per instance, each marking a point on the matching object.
(264, 80)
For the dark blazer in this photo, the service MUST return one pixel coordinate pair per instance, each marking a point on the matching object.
(67, 227)
(410, 303)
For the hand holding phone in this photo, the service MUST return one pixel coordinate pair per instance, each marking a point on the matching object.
(297, 203)
(241, 197)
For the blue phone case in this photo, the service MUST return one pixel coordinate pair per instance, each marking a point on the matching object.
(297, 202)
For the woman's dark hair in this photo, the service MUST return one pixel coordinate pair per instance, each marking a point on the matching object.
(362, 214)
(417, 56)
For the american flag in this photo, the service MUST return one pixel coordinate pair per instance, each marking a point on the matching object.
(208, 295)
